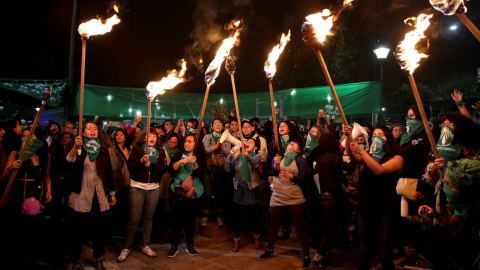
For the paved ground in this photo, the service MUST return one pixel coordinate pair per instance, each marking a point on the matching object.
(212, 254)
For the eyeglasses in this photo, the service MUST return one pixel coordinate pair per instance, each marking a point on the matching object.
(246, 126)
(217, 124)
(446, 124)
(168, 124)
(54, 127)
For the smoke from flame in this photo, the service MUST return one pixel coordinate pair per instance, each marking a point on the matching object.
(96, 27)
(173, 78)
(214, 68)
(408, 57)
(270, 67)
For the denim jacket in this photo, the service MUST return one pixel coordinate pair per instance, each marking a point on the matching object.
(254, 163)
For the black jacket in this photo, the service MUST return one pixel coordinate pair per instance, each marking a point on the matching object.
(140, 173)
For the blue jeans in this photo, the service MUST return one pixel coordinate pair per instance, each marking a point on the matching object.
(374, 226)
(140, 201)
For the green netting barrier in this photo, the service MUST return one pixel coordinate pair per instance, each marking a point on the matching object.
(36, 88)
(356, 98)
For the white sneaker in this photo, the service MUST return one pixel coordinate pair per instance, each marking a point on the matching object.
(123, 255)
(149, 252)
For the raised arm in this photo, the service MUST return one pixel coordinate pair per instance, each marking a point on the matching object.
(354, 156)
(457, 96)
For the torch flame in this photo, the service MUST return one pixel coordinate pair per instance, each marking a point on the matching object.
(115, 7)
(173, 78)
(406, 54)
(347, 2)
(449, 7)
(96, 27)
(214, 68)
(322, 22)
(270, 67)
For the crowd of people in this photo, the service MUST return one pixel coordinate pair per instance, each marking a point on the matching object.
(323, 186)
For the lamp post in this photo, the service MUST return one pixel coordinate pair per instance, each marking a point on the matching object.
(381, 54)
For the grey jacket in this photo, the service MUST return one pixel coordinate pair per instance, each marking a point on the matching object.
(253, 164)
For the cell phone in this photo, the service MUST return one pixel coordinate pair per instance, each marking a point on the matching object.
(115, 124)
(139, 113)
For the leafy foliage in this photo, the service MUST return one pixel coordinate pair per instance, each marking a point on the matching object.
(403, 97)
(219, 110)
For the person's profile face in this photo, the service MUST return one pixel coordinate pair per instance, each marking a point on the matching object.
(26, 133)
(18, 129)
(251, 145)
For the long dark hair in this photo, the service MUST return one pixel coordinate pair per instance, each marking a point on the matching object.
(42, 152)
(127, 143)
(391, 146)
(328, 144)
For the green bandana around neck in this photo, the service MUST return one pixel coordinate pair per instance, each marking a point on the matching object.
(289, 157)
(378, 149)
(285, 141)
(161, 138)
(311, 144)
(191, 130)
(238, 133)
(189, 166)
(33, 146)
(153, 154)
(244, 172)
(92, 146)
(461, 204)
(362, 145)
(169, 152)
(216, 136)
(414, 126)
(446, 149)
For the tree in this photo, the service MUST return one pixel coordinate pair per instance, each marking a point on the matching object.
(402, 98)
(303, 67)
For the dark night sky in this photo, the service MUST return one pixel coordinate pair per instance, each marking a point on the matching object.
(153, 35)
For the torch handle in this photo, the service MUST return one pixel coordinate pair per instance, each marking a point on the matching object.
(469, 24)
(25, 144)
(424, 116)
(82, 84)
(148, 126)
(236, 107)
(274, 116)
(332, 88)
(199, 128)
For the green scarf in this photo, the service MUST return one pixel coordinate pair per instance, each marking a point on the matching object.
(238, 133)
(461, 204)
(215, 137)
(362, 145)
(311, 144)
(153, 153)
(161, 138)
(285, 141)
(463, 173)
(446, 149)
(414, 126)
(189, 166)
(33, 146)
(191, 130)
(244, 172)
(169, 152)
(378, 149)
(289, 157)
(93, 146)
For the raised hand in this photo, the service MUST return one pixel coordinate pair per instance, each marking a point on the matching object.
(457, 96)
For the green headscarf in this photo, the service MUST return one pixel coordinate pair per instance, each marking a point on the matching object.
(289, 157)
(414, 126)
(169, 152)
(92, 146)
(216, 136)
(285, 141)
(446, 149)
(153, 153)
(191, 130)
(461, 204)
(244, 172)
(462, 173)
(311, 144)
(33, 146)
(378, 149)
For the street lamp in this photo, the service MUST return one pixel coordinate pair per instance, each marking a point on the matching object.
(381, 54)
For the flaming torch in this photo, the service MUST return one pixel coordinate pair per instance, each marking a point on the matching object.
(409, 59)
(315, 29)
(25, 143)
(214, 68)
(270, 70)
(457, 7)
(173, 78)
(87, 29)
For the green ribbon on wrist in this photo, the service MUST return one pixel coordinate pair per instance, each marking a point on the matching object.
(460, 103)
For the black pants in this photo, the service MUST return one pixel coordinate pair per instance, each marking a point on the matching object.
(94, 223)
(183, 212)
(329, 211)
(297, 213)
(216, 192)
(254, 218)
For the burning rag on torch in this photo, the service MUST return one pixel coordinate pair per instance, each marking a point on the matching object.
(270, 67)
(173, 78)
